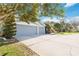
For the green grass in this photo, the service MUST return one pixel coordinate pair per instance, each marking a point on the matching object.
(15, 49)
(68, 33)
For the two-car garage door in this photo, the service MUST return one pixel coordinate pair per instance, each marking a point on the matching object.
(27, 30)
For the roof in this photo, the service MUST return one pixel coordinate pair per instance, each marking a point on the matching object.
(30, 24)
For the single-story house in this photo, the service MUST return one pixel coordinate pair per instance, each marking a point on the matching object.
(24, 29)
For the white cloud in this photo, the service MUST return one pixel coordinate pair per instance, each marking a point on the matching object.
(69, 4)
(46, 19)
(70, 19)
(56, 20)
(50, 20)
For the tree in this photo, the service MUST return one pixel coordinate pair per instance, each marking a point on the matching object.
(31, 14)
(51, 10)
(47, 28)
(8, 12)
(57, 27)
(9, 29)
(8, 16)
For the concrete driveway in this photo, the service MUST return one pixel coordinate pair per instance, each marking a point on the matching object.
(53, 45)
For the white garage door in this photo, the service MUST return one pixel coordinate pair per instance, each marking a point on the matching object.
(24, 30)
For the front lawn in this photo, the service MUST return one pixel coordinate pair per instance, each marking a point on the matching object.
(67, 33)
(15, 49)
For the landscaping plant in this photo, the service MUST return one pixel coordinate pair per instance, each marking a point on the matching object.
(9, 29)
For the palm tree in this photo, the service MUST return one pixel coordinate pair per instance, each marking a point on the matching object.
(9, 26)
(8, 12)
(53, 10)
(31, 14)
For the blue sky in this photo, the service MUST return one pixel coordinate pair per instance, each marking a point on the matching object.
(71, 11)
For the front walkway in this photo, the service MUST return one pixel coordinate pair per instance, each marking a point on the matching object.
(53, 45)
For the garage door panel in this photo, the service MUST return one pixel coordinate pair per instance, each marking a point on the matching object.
(26, 30)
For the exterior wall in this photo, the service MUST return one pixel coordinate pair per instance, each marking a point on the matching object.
(41, 30)
(77, 28)
(27, 30)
